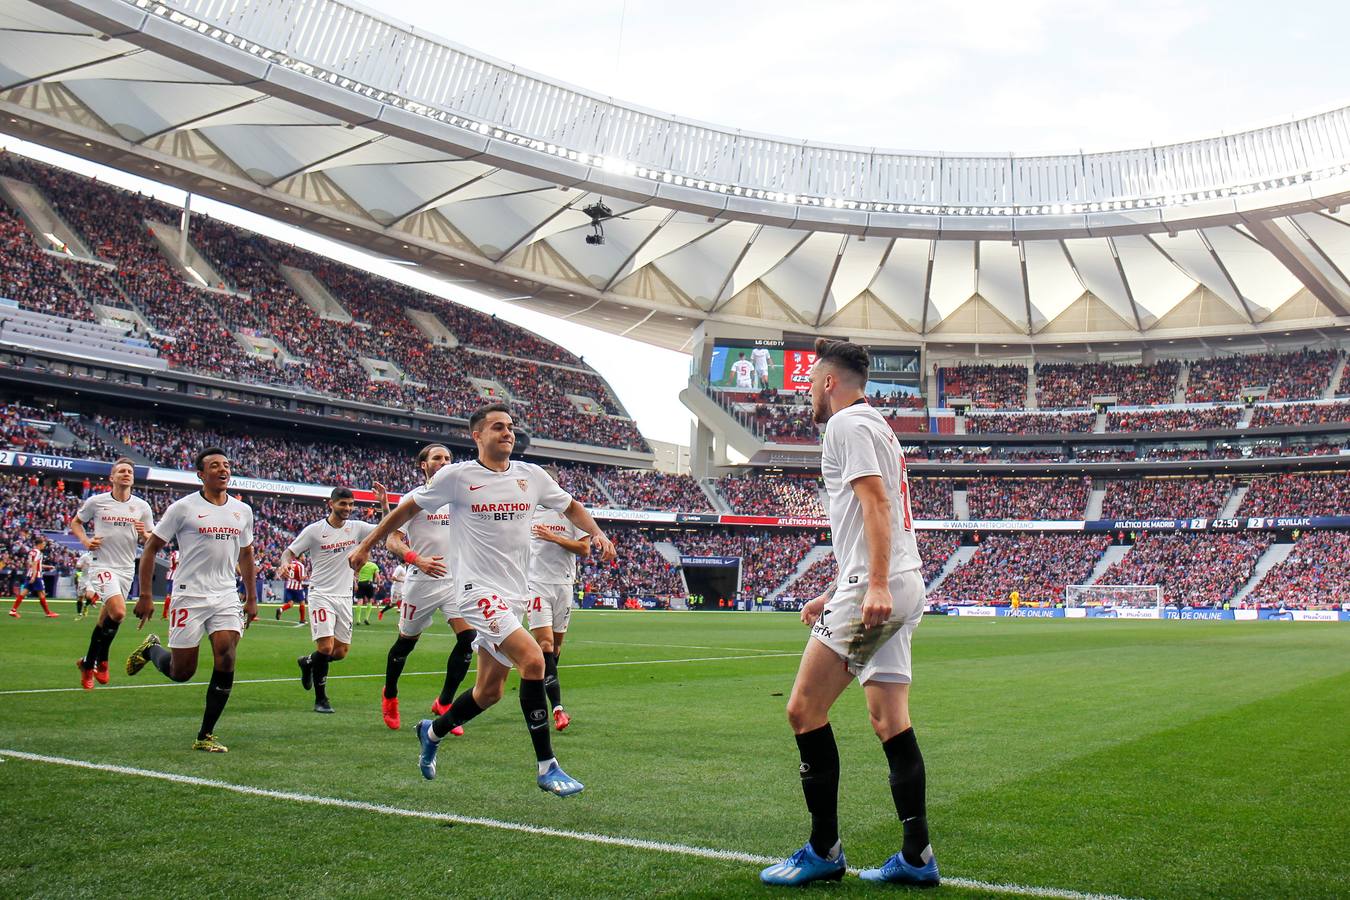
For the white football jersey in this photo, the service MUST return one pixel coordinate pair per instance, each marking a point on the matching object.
(429, 535)
(85, 564)
(858, 442)
(760, 357)
(490, 517)
(327, 548)
(744, 373)
(209, 540)
(398, 576)
(115, 521)
(549, 563)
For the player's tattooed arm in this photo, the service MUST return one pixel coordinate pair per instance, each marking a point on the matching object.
(397, 544)
(145, 606)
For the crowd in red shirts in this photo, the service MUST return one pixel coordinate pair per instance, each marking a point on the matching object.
(1028, 498)
(1070, 385)
(1302, 375)
(1165, 497)
(1298, 494)
(1316, 573)
(1194, 568)
(1037, 566)
(1030, 423)
(777, 496)
(987, 386)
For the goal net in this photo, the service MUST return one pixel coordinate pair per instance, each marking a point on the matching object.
(1114, 596)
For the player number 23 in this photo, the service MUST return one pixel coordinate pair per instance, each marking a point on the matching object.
(490, 607)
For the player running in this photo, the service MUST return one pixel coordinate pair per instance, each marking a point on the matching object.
(215, 534)
(864, 622)
(120, 521)
(555, 547)
(327, 543)
(431, 586)
(293, 591)
(33, 582)
(85, 595)
(491, 502)
(168, 588)
(760, 358)
(397, 579)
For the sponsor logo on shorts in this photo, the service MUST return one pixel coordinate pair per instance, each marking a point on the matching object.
(853, 579)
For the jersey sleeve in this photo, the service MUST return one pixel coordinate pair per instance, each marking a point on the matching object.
(168, 526)
(551, 493)
(363, 529)
(147, 516)
(857, 452)
(88, 508)
(246, 535)
(439, 489)
(303, 543)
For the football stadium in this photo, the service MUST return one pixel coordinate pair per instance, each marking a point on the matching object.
(996, 541)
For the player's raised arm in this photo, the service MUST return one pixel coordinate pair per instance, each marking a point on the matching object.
(394, 521)
(581, 517)
(576, 546)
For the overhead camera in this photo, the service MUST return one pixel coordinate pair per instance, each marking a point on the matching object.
(598, 212)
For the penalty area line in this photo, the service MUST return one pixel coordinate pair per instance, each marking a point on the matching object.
(501, 825)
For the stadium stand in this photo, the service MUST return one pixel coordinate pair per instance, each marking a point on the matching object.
(1267, 415)
(935, 548)
(931, 498)
(987, 386)
(1073, 385)
(1287, 376)
(1298, 494)
(767, 557)
(637, 489)
(1029, 423)
(1173, 419)
(1037, 566)
(1194, 568)
(1028, 498)
(761, 495)
(1165, 497)
(1313, 576)
(639, 571)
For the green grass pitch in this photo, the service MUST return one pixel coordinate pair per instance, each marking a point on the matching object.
(1138, 759)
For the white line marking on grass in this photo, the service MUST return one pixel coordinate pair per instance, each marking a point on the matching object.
(599, 665)
(482, 822)
(678, 646)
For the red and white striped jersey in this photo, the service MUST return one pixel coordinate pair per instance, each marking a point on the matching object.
(295, 576)
(173, 564)
(34, 563)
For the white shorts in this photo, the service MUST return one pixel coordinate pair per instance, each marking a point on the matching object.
(107, 583)
(873, 654)
(421, 600)
(396, 595)
(494, 619)
(330, 617)
(550, 606)
(192, 617)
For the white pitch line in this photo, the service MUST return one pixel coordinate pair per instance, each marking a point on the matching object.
(542, 830)
(678, 646)
(599, 665)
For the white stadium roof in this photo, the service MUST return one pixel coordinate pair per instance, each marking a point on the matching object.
(327, 116)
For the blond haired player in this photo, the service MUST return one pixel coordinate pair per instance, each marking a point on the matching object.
(553, 574)
(491, 502)
(119, 521)
(215, 536)
(860, 627)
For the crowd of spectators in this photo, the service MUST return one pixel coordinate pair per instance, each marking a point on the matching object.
(1314, 575)
(1287, 376)
(16, 432)
(1298, 494)
(930, 498)
(1105, 454)
(772, 495)
(1073, 385)
(28, 506)
(768, 557)
(34, 279)
(1267, 415)
(1037, 566)
(638, 571)
(1158, 498)
(1196, 419)
(784, 424)
(639, 489)
(1053, 499)
(1030, 423)
(987, 386)
(1194, 568)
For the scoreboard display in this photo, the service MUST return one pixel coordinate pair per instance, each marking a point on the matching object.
(743, 364)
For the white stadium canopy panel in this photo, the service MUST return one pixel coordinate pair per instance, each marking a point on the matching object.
(326, 116)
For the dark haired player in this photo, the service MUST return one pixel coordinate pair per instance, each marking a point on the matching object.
(215, 535)
(327, 543)
(430, 587)
(491, 501)
(120, 521)
(860, 627)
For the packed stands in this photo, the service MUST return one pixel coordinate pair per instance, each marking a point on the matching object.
(1194, 568)
(1030, 423)
(32, 278)
(1073, 385)
(1298, 494)
(1315, 574)
(767, 557)
(15, 432)
(781, 424)
(1028, 498)
(1288, 376)
(987, 386)
(930, 498)
(29, 506)
(638, 489)
(1267, 415)
(1165, 497)
(1104, 454)
(1174, 419)
(1037, 566)
(764, 495)
(639, 571)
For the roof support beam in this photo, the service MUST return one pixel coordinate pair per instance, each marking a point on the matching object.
(928, 287)
(829, 282)
(57, 73)
(719, 298)
(538, 228)
(1273, 238)
(1246, 307)
(195, 120)
(636, 250)
(1124, 280)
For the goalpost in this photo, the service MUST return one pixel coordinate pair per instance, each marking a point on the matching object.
(1114, 596)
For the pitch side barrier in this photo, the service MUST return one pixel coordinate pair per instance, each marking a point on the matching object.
(94, 469)
(1167, 612)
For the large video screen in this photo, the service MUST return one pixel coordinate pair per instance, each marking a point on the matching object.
(753, 365)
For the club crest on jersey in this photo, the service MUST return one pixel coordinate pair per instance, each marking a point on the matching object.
(494, 628)
(523, 484)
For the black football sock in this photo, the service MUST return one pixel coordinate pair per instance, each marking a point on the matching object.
(393, 668)
(462, 710)
(457, 665)
(534, 704)
(318, 664)
(820, 785)
(217, 695)
(907, 790)
(95, 642)
(159, 658)
(109, 632)
(551, 686)
(79, 605)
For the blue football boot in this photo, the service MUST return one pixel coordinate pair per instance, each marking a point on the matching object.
(897, 871)
(804, 867)
(556, 781)
(426, 760)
